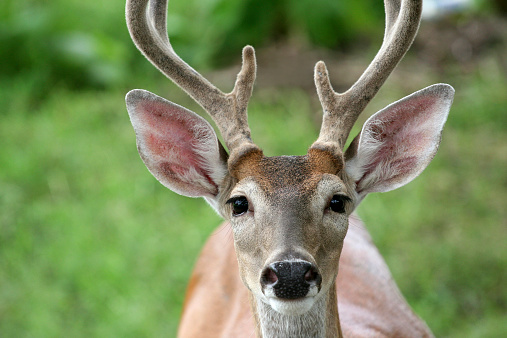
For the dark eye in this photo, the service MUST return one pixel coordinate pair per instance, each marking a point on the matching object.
(239, 205)
(337, 203)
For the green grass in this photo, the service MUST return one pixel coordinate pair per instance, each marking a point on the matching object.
(92, 246)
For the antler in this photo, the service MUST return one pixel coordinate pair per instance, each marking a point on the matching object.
(342, 110)
(146, 21)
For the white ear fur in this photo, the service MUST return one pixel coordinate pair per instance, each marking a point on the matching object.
(397, 143)
(179, 147)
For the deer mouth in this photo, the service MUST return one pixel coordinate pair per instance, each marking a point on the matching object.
(292, 307)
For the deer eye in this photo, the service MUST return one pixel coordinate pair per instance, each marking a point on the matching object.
(239, 205)
(338, 203)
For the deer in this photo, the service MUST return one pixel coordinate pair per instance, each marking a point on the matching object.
(298, 262)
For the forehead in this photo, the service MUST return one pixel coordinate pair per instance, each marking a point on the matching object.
(288, 175)
(274, 173)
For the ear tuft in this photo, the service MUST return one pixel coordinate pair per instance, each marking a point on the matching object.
(179, 147)
(397, 143)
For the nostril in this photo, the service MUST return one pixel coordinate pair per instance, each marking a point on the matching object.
(312, 276)
(269, 277)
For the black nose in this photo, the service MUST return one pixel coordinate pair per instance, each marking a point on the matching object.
(291, 280)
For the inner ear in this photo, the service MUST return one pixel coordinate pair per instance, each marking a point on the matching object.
(179, 147)
(397, 143)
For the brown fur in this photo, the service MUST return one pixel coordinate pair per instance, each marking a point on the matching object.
(285, 170)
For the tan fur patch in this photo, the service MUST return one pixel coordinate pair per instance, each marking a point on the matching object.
(245, 162)
(325, 161)
(277, 172)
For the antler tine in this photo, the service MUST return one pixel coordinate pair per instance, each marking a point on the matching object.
(146, 21)
(342, 110)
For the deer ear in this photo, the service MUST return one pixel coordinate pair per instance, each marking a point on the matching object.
(179, 147)
(397, 143)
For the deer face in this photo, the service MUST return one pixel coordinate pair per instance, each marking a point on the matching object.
(289, 218)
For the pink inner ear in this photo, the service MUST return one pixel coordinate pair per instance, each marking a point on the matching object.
(173, 139)
(404, 118)
(404, 135)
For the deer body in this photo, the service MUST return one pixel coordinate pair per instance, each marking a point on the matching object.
(290, 269)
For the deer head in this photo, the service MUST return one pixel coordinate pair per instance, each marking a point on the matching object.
(289, 214)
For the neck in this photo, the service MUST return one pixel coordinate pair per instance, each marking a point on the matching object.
(321, 321)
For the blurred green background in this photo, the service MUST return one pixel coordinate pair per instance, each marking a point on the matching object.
(92, 246)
